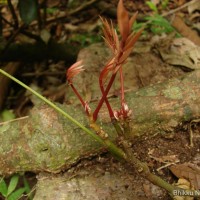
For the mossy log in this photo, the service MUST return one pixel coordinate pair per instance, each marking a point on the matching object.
(46, 141)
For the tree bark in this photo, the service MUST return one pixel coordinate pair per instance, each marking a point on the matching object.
(46, 141)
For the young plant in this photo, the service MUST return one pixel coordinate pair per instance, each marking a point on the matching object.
(10, 191)
(121, 48)
(74, 70)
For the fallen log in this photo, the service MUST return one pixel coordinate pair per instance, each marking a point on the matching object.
(46, 141)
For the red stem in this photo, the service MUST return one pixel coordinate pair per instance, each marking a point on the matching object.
(106, 100)
(104, 97)
(80, 98)
(122, 86)
(105, 93)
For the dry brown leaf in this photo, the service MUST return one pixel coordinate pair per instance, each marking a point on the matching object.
(183, 183)
(186, 48)
(188, 171)
(185, 30)
(195, 6)
(181, 52)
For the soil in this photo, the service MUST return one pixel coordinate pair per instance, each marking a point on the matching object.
(115, 180)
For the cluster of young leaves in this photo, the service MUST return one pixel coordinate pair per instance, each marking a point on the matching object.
(121, 47)
(10, 191)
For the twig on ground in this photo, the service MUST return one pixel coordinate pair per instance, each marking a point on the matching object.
(12, 10)
(179, 8)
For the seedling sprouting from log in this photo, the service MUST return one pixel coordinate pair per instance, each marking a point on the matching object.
(121, 48)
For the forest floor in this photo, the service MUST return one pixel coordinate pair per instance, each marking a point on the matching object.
(170, 156)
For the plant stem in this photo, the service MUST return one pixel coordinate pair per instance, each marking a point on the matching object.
(13, 13)
(143, 169)
(106, 100)
(95, 114)
(122, 87)
(84, 104)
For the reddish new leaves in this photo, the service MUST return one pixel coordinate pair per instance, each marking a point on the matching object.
(74, 70)
(123, 21)
(121, 48)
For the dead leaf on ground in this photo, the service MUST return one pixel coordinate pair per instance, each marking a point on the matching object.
(181, 52)
(185, 184)
(187, 171)
(185, 30)
(164, 159)
(195, 6)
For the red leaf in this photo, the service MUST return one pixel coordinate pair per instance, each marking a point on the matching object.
(132, 40)
(125, 55)
(108, 68)
(123, 20)
(110, 35)
(75, 69)
(188, 171)
(132, 20)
